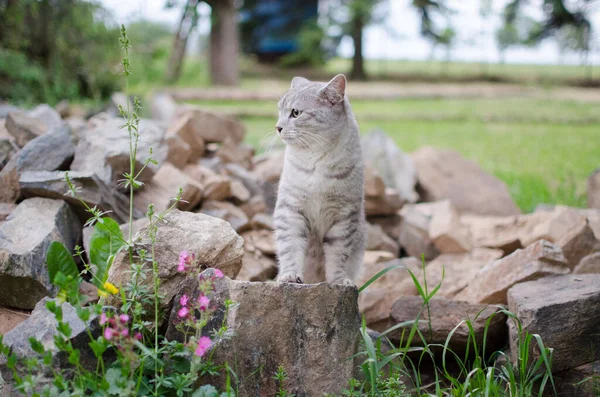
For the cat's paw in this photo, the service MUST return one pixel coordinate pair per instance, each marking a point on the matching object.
(290, 277)
(345, 281)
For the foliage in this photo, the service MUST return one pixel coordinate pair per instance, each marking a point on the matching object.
(52, 50)
(480, 373)
(310, 51)
(128, 354)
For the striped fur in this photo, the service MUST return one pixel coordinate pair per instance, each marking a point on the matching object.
(319, 216)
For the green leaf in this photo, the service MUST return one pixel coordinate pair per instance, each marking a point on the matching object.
(105, 242)
(115, 380)
(206, 391)
(59, 259)
(36, 345)
(98, 347)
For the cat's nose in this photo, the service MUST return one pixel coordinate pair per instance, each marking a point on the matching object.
(279, 129)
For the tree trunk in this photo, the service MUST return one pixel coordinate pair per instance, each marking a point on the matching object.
(224, 43)
(358, 64)
(186, 25)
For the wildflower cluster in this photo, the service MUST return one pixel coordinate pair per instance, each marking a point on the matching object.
(194, 312)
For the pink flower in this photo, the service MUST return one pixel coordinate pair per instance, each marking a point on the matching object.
(108, 333)
(184, 259)
(203, 300)
(138, 336)
(183, 312)
(125, 333)
(103, 319)
(203, 345)
(124, 318)
(183, 301)
(218, 273)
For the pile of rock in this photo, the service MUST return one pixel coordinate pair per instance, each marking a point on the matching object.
(433, 212)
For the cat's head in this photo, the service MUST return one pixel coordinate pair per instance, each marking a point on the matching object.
(310, 112)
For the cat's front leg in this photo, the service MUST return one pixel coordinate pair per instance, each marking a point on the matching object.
(343, 246)
(291, 236)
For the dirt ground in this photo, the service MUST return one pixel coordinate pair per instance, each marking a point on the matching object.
(10, 318)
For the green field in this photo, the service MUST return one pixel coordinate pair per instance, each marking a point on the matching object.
(543, 149)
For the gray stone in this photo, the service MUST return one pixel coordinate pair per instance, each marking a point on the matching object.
(211, 240)
(24, 128)
(24, 240)
(6, 209)
(445, 174)
(302, 327)
(581, 381)
(52, 184)
(414, 230)
(228, 212)
(395, 167)
(42, 326)
(5, 109)
(269, 166)
(47, 115)
(49, 152)
(254, 184)
(563, 310)
(104, 150)
(593, 190)
(377, 240)
(588, 264)
(445, 315)
(163, 106)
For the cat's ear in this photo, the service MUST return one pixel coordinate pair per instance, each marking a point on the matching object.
(335, 90)
(298, 81)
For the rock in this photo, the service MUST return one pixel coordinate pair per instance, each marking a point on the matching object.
(255, 205)
(47, 115)
(24, 239)
(414, 230)
(593, 190)
(213, 242)
(588, 264)
(298, 326)
(395, 167)
(24, 128)
(379, 241)
(391, 224)
(459, 270)
(163, 106)
(180, 130)
(262, 221)
(256, 187)
(5, 109)
(446, 230)
(10, 318)
(263, 240)
(52, 184)
(374, 257)
(232, 152)
(563, 310)
(444, 316)
(49, 152)
(228, 212)
(375, 302)
(104, 149)
(380, 200)
(580, 381)
(491, 283)
(179, 151)
(239, 193)
(212, 127)
(41, 325)
(445, 174)
(164, 187)
(257, 267)
(7, 149)
(216, 187)
(269, 166)
(6, 209)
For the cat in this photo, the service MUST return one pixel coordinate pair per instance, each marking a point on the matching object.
(319, 219)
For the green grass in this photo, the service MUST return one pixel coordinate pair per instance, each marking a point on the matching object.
(543, 149)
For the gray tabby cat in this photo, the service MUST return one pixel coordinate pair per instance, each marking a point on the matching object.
(319, 217)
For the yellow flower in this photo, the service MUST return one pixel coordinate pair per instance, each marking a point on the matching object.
(108, 288)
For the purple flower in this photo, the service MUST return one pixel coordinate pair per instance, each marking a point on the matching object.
(183, 301)
(183, 312)
(108, 333)
(138, 336)
(203, 345)
(125, 332)
(184, 258)
(203, 300)
(124, 318)
(219, 273)
(103, 319)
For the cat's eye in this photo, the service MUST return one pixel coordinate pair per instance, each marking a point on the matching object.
(296, 113)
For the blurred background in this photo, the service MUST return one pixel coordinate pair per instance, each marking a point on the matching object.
(511, 84)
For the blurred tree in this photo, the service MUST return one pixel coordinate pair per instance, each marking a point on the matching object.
(224, 40)
(506, 36)
(431, 10)
(55, 49)
(310, 47)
